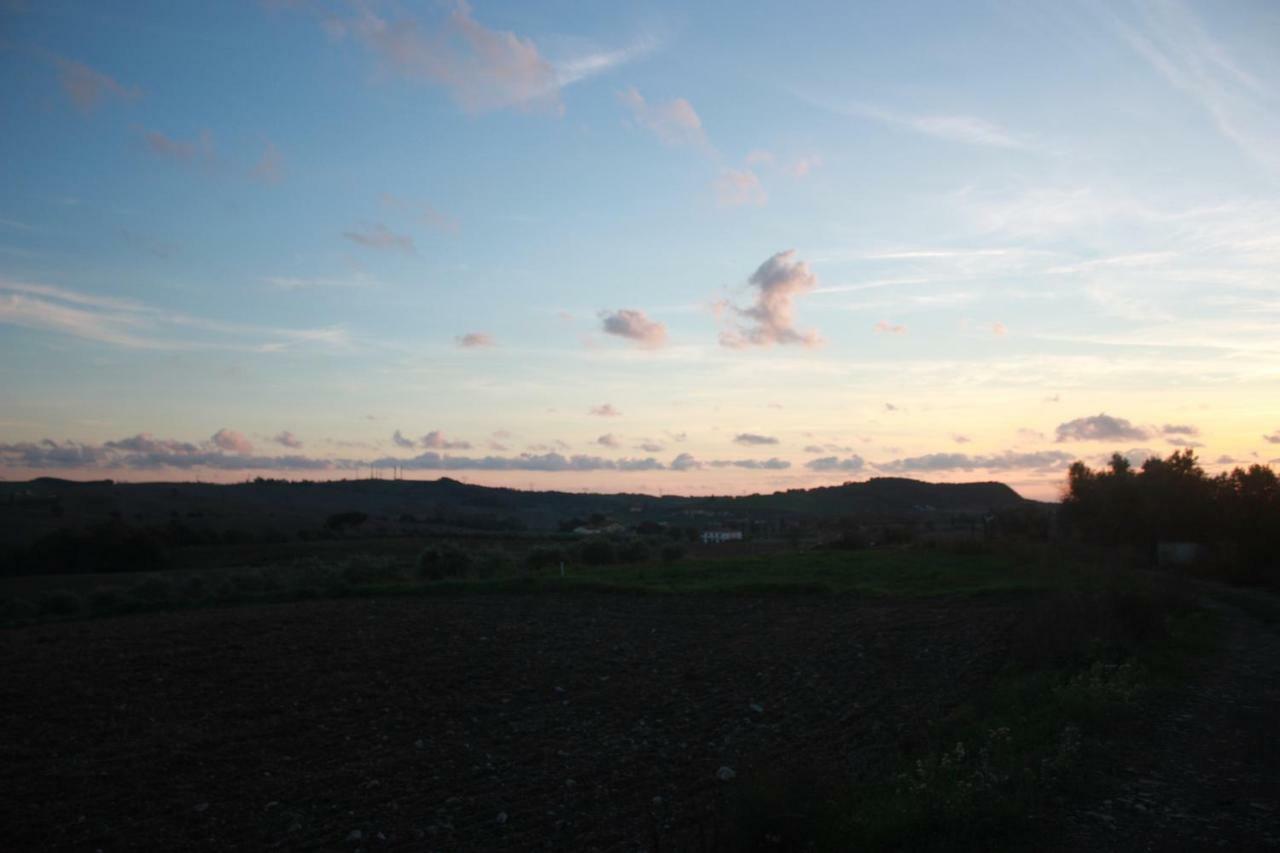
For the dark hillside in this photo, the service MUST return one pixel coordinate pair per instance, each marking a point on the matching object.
(281, 509)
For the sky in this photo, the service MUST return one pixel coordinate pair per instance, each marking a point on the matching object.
(654, 247)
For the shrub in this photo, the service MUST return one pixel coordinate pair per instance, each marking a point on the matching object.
(897, 535)
(672, 553)
(152, 591)
(249, 583)
(849, 540)
(598, 552)
(966, 547)
(193, 588)
(105, 601)
(444, 561)
(226, 592)
(111, 547)
(58, 603)
(544, 557)
(634, 551)
(17, 610)
(494, 564)
(367, 569)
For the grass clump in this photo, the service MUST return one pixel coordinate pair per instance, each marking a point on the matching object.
(1088, 654)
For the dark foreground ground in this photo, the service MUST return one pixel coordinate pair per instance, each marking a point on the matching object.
(535, 722)
(1200, 771)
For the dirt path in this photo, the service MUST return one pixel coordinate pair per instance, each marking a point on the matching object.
(1203, 772)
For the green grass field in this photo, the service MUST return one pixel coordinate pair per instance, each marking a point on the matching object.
(906, 572)
(885, 572)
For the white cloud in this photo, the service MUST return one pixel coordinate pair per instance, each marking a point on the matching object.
(1006, 461)
(778, 281)
(230, 440)
(473, 340)
(751, 438)
(833, 463)
(287, 439)
(634, 325)
(1101, 427)
(435, 440)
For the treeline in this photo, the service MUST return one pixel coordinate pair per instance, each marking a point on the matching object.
(118, 546)
(1235, 516)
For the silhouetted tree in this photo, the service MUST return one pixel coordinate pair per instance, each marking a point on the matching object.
(1172, 499)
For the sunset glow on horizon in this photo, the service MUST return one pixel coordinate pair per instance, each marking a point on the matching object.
(660, 249)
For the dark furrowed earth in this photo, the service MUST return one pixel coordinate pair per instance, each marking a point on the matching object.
(535, 722)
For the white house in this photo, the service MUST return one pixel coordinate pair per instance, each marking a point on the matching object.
(722, 535)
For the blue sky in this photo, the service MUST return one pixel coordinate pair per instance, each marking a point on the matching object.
(643, 246)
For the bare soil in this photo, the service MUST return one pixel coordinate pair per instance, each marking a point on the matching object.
(538, 722)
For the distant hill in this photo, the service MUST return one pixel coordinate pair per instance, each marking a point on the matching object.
(28, 510)
(890, 495)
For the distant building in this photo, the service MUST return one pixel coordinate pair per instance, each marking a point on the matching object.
(722, 535)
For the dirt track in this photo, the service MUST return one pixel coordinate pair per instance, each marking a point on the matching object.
(1203, 770)
(539, 722)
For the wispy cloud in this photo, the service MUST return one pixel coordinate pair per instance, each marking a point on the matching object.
(967, 129)
(162, 145)
(423, 212)
(740, 188)
(88, 88)
(482, 69)
(1172, 40)
(282, 282)
(583, 66)
(131, 324)
(270, 166)
(675, 122)
(379, 236)
(801, 167)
